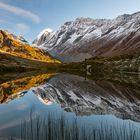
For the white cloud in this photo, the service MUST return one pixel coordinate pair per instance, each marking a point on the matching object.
(22, 28)
(20, 12)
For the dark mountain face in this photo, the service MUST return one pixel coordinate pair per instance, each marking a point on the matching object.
(86, 38)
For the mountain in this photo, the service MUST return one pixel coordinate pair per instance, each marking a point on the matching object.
(86, 38)
(13, 45)
(18, 38)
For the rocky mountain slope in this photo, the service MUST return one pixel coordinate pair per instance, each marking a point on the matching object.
(86, 38)
(19, 38)
(13, 45)
(13, 36)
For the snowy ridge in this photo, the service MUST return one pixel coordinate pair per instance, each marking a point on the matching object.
(45, 31)
(86, 37)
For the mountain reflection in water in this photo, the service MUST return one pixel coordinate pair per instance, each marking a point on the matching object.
(11, 88)
(68, 107)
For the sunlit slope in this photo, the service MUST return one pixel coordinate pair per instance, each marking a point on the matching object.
(14, 47)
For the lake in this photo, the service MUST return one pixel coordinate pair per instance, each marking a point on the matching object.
(64, 106)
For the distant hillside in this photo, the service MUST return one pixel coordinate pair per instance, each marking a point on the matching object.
(122, 63)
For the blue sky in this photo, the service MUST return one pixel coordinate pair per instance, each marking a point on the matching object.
(29, 17)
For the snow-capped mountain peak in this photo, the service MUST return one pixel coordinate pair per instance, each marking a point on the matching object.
(42, 36)
(45, 31)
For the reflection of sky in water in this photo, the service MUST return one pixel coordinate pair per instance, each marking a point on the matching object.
(14, 112)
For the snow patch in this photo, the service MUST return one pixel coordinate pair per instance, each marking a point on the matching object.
(73, 37)
(98, 32)
(48, 30)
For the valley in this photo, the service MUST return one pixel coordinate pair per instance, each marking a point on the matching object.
(107, 45)
(80, 82)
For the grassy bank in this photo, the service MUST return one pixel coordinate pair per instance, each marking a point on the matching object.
(9, 63)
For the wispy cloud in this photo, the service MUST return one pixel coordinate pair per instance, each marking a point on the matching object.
(20, 12)
(22, 28)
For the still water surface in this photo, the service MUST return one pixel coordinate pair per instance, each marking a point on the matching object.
(61, 106)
